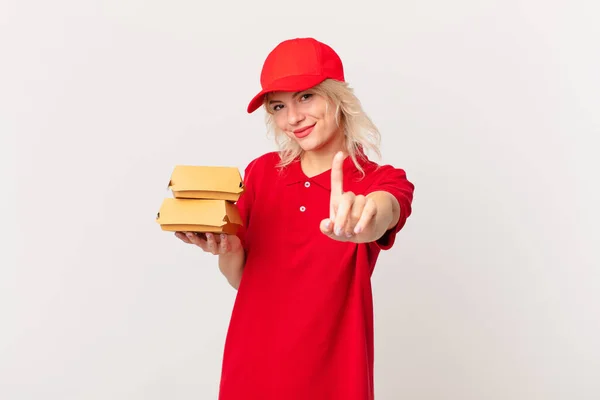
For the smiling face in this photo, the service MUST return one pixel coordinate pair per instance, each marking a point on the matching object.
(306, 118)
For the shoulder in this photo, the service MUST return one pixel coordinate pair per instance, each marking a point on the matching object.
(266, 160)
(388, 178)
(375, 173)
(261, 164)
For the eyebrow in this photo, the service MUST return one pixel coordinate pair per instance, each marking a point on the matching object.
(279, 101)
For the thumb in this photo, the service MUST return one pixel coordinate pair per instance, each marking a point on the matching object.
(326, 226)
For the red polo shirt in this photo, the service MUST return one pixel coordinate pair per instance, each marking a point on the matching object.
(302, 323)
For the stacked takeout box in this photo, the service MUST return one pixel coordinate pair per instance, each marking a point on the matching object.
(203, 200)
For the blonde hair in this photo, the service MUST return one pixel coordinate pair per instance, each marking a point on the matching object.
(361, 134)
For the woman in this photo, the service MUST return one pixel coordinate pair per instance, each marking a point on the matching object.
(316, 215)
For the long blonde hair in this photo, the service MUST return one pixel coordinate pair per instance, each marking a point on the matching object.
(360, 132)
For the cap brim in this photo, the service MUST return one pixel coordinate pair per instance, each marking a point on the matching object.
(287, 84)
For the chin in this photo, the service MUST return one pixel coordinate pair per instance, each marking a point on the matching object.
(312, 146)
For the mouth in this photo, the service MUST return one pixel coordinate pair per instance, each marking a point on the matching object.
(302, 132)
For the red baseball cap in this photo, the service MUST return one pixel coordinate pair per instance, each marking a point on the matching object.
(296, 65)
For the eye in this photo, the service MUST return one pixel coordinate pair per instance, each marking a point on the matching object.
(306, 96)
(276, 107)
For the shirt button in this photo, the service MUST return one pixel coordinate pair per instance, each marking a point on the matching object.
(306, 184)
(302, 208)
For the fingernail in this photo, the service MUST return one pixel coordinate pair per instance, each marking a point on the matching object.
(357, 229)
(338, 231)
(348, 234)
(327, 224)
(223, 236)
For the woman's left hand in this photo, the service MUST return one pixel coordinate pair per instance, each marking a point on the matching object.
(350, 214)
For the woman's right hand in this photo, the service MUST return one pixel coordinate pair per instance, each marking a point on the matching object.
(217, 244)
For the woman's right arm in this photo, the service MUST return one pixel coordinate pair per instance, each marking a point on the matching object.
(229, 249)
(232, 260)
(232, 267)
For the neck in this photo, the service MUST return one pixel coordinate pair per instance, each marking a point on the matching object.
(318, 161)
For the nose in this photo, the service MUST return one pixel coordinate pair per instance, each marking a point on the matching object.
(294, 115)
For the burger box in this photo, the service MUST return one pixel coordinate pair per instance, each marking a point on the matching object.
(203, 200)
(215, 183)
(199, 215)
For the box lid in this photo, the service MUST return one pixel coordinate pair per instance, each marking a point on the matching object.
(206, 182)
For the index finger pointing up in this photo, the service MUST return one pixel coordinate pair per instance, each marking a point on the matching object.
(337, 176)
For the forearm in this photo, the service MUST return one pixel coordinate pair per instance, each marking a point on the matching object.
(231, 266)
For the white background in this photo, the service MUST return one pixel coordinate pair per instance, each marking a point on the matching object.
(491, 107)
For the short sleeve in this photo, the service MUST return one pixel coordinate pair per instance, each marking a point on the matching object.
(244, 203)
(394, 181)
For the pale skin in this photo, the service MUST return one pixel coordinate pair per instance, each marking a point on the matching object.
(352, 218)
